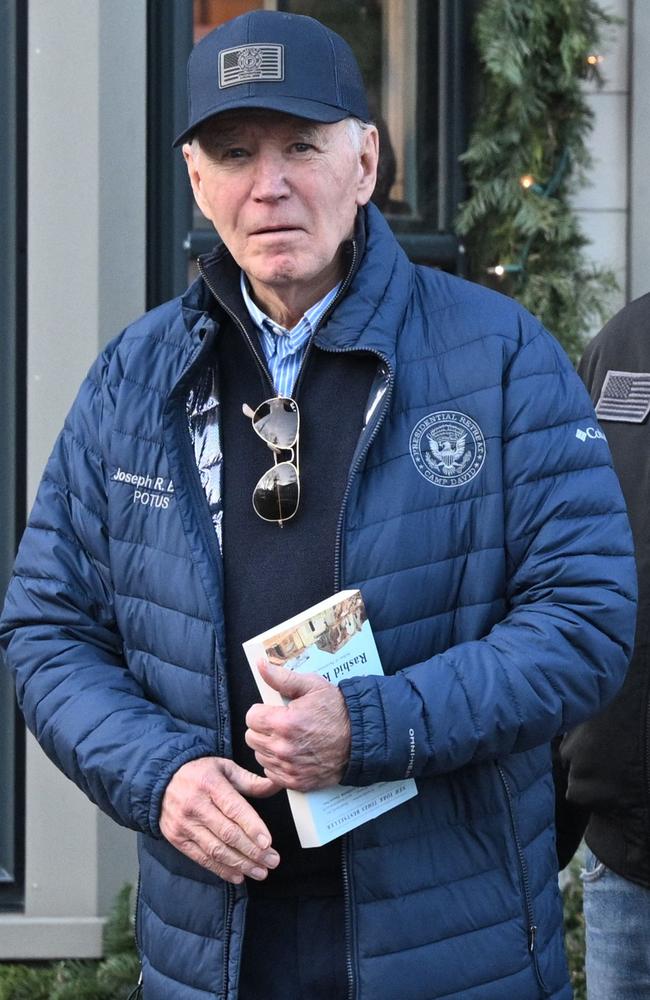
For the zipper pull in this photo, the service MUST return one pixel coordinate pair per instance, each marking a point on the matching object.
(136, 993)
(532, 932)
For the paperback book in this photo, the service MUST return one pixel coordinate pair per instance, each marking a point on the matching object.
(334, 639)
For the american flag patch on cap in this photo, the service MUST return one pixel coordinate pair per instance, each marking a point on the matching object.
(625, 397)
(251, 62)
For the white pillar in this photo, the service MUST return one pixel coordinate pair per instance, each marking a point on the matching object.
(602, 206)
(86, 246)
(640, 149)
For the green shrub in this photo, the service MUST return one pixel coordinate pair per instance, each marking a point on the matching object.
(22, 982)
(111, 978)
(116, 974)
(574, 928)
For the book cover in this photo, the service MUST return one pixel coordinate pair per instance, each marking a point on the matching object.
(334, 639)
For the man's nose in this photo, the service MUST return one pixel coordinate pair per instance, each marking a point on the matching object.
(270, 181)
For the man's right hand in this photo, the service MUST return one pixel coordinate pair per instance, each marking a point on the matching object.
(205, 815)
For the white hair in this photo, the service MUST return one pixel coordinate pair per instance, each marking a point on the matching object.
(356, 132)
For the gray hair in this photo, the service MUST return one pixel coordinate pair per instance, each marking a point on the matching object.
(356, 131)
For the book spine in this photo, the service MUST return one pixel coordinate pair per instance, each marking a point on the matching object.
(303, 818)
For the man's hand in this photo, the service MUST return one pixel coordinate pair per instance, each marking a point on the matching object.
(205, 816)
(307, 744)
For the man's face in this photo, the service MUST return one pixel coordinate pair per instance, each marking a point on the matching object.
(282, 193)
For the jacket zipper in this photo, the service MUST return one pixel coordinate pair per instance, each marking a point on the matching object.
(339, 295)
(195, 487)
(238, 323)
(523, 872)
(368, 438)
(136, 929)
(260, 362)
(642, 643)
(346, 843)
(137, 991)
(647, 749)
(347, 902)
(210, 538)
(229, 889)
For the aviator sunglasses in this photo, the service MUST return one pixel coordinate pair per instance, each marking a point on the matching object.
(277, 494)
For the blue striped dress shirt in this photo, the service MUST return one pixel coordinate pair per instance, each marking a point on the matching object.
(284, 352)
(284, 349)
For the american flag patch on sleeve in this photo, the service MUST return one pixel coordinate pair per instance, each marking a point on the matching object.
(625, 396)
(263, 62)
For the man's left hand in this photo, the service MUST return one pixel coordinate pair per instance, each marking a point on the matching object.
(305, 745)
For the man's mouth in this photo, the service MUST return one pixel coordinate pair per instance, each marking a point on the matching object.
(271, 230)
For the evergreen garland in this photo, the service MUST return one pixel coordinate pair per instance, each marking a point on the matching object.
(574, 927)
(528, 155)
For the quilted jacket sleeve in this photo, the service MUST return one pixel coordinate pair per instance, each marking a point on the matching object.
(562, 650)
(61, 642)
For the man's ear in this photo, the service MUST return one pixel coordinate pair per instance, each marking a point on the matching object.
(194, 163)
(368, 159)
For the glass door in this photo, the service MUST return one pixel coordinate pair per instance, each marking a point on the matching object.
(13, 292)
(412, 54)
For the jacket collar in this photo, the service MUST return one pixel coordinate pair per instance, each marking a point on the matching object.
(371, 314)
(366, 316)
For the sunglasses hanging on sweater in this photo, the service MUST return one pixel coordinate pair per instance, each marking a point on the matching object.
(277, 494)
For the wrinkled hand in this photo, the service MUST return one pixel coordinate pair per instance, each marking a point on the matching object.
(205, 816)
(306, 744)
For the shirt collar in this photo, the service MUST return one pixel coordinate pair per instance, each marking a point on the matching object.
(310, 319)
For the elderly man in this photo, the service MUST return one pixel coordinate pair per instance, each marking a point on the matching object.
(441, 456)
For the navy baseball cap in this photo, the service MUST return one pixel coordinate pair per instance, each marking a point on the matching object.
(281, 62)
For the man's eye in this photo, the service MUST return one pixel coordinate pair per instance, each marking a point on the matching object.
(235, 153)
(302, 147)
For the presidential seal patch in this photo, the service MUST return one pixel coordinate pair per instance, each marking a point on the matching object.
(448, 448)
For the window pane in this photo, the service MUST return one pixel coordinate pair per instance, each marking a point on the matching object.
(7, 780)
(396, 45)
(209, 14)
(13, 82)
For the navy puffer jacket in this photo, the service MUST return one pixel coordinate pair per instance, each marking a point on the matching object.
(485, 527)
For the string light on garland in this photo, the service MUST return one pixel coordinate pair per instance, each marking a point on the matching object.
(593, 62)
(502, 269)
(528, 183)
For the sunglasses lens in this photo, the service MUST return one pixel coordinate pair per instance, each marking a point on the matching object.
(276, 421)
(276, 496)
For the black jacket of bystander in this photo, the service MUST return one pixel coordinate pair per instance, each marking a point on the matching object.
(608, 758)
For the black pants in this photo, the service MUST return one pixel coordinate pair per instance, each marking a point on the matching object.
(294, 949)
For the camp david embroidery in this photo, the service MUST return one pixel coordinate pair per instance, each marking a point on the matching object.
(251, 62)
(448, 448)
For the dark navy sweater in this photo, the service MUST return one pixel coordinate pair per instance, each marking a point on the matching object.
(272, 573)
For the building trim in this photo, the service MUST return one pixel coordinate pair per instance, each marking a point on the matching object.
(23, 938)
